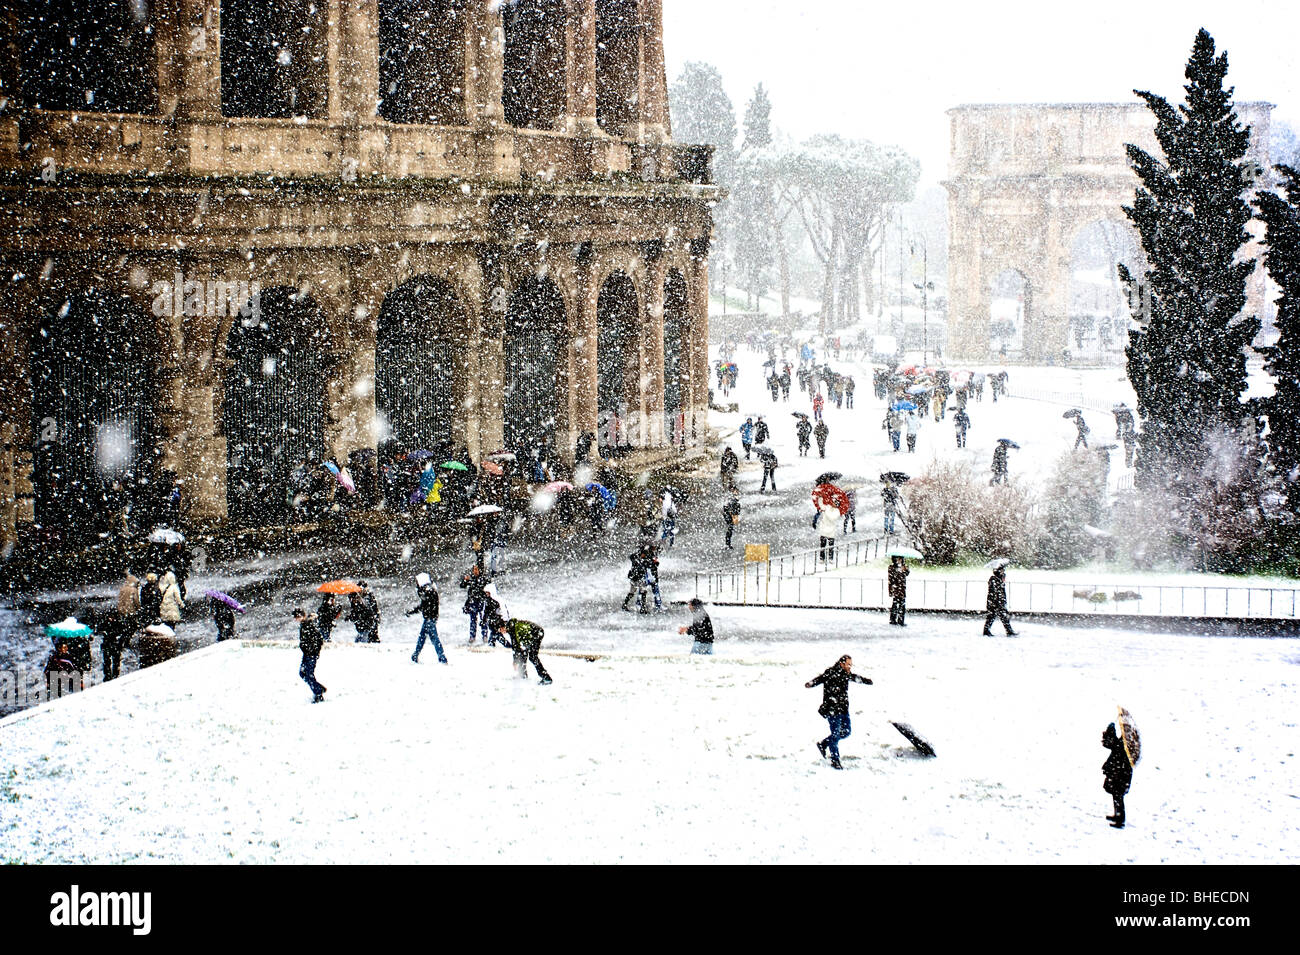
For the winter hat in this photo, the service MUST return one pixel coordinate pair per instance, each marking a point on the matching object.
(422, 580)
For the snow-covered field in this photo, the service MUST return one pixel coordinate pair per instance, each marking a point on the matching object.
(646, 754)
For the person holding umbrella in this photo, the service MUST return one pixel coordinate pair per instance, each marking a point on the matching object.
(1000, 461)
(727, 470)
(223, 615)
(768, 457)
(1117, 774)
(803, 431)
(835, 705)
(1081, 425)
(996, 603)
(898, 571)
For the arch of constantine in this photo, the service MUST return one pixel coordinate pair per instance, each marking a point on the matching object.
(235, 233)
(1025, 182)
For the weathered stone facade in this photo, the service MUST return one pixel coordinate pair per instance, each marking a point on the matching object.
(338, 207)
(1023, 182)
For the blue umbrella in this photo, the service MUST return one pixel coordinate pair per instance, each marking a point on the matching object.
(419, 455)
(902, 406)
(608, 497)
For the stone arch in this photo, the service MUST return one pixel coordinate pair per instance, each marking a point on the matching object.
(533, 344)
(274, 402)
(676, 354)
(617, 357)
(274, 58)
(94, 412)
(618, 66)
(422, 61)
(421, 343)
(1096, 304)
(88, 57)
(534, 63)
(1010, 311)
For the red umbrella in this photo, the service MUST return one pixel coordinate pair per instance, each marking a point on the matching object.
(831, 496)
(557, 487)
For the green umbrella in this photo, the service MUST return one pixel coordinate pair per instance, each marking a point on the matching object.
(69, 627)
(453, 466)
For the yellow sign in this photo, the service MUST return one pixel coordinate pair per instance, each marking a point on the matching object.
(756, 553)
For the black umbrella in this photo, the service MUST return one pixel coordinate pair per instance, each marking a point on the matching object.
(764, 452)
(1009, 443)
(895, 477)
(1073, 413)
(828, 477)
(798, 414)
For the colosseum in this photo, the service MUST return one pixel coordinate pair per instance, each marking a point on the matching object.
(238, 233)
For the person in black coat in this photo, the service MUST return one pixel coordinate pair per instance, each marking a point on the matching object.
(803, 431)
(224, 617)
(328, 612)
(835, 704)
(428, 608)
(731, 517)
(150, 600)
(700, 628)
(364, 614)
(898, 571)
(821, 433)
(1118, 773)
(996, 604)
(309, 642)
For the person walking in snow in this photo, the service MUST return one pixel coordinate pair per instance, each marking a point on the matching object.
(889, 497)
(747, 436)
(803, 431)
(821, 433)
(1117, 773)
(668, 520)
(961, 423)
(894, 423)
(727, 470)
(913, 428)
(769, 471)
(818, 404)
(473, 581)
(223, 615)
(996, 603)
(172, 605)
(428, 609)
(851, 515)
(999, 464)
(326, 614)
(1083, 428)
(364, 614)
(898, 571)
(835, 705)
(848, 392)
(761, 431)
(150, 600)
(309, 642)
(700, 628)
(730, 518)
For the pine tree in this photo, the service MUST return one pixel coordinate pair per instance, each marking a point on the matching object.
(1281, 216)
(753, 197)
(1187, 359)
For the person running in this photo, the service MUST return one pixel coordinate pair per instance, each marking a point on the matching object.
(835, 705)
(309, 642)
(428, 609)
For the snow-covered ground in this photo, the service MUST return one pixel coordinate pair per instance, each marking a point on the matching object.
(648, 754)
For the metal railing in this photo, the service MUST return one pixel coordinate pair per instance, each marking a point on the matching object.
(850, 553)
(755, 586)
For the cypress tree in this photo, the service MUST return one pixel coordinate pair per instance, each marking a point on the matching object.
(1281, 217)
(1187, 358)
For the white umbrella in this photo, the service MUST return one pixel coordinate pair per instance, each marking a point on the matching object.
(997, 562)
(908, 552)
(484, 509)
(165, 535)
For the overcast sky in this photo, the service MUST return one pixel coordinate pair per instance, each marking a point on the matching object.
(887, 72)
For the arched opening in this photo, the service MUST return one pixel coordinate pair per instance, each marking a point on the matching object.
(422, 61)
(274, 58)
(533, 79)
(93, 416)
(273, 411)
(1098, 306)
(534, 329)
(617, 324)
(89, 57)
(676, 361)
(1010, 306)
(618, 39)
(420, 349)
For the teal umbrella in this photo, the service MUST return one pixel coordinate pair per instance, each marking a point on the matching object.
(69, 627)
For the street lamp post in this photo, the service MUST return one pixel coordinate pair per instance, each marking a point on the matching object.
(924, 286)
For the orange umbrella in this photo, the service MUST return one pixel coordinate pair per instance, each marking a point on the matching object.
(491, 467)
(338, 587)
